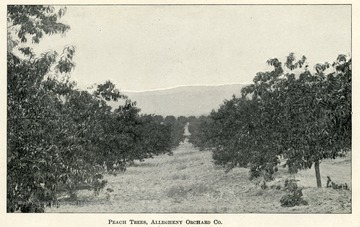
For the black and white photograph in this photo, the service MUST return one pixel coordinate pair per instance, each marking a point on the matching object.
(188, 110)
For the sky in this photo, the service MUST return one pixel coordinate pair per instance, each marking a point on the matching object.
(156, 47)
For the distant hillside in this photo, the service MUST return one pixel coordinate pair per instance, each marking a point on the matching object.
(185, 101)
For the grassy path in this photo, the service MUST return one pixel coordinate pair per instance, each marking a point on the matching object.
(188, 182)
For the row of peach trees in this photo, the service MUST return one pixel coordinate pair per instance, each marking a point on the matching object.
(296, 112)
(61, 138)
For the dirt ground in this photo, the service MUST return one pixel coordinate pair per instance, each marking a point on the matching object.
(189, 182)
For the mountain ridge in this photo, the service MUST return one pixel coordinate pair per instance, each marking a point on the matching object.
(194, 100)
(184, 86)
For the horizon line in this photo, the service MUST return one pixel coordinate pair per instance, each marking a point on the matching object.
(180, 86)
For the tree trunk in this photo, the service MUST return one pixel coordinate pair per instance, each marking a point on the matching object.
(317, 174)
(73, 195)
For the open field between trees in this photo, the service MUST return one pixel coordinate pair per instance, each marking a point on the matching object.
(189, 182)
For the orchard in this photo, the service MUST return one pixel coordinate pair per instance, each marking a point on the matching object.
(60, 138)
(300, 114)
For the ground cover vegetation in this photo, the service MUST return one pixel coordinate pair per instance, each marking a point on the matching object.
(189, 182)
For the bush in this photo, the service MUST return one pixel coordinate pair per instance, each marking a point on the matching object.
(293, 196)
(333, 185)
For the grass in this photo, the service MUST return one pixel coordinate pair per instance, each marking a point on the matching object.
(188, 182)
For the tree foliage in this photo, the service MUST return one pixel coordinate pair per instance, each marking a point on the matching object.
(61, 138)
(177, 129)
(289, 111)
(199, 129)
